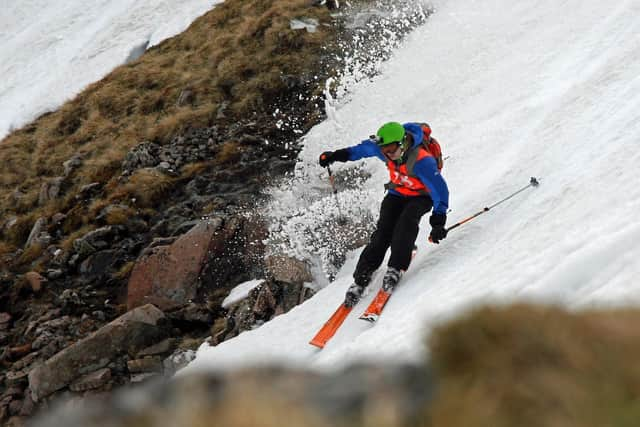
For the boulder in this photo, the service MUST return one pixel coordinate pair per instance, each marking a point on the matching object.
(164, 346)
(145, 365)
(49, 190)
(91, 381)
(38, 228)
(88, 191)
(287, 269)
(71, 165)
(99, 263)
(172, 272)
(130, 333)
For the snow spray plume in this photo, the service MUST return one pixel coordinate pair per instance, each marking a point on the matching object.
(533, 182)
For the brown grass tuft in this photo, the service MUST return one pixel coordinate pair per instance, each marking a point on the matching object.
(67, 243)
(119, 215)
(230, 151)
(146, 188)
(6, 249)
(124, 271)
(537, 366)
(17, 235)
(30, 254)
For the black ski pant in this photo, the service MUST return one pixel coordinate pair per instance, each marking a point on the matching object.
(397, 228)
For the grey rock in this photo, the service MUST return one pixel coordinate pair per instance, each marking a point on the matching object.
(178, 360)
(58, 218)
(283, 268)
(92, 380)
(129, 333)
(54, 274)
(99, 263)
(83, 248)
(194, 313)
(88, 191)
(145, 365)
(15, 378)
(101, 234)
(186, 97)
(50, 190)
(143, 155)
(164, 346)
(72, 164)
(38, 228)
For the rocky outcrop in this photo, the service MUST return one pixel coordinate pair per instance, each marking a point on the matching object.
(129, 333)
(197, 145)
(287, 269)
(170, 275)
(266, 301)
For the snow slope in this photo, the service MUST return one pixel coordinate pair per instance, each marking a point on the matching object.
(51, 50)
(513, 90)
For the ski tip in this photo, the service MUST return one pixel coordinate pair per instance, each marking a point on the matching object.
(316, 343)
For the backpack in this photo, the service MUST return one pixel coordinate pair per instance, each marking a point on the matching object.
(431, 144)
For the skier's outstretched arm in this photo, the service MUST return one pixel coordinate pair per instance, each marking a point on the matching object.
(366, 148)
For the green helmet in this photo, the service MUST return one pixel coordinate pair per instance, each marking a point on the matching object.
(390, 133)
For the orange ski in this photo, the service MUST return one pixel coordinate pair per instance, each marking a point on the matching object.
(374, 310)
(329, 329)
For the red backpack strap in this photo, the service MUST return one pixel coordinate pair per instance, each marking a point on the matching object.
(431, 144)
(436, 151)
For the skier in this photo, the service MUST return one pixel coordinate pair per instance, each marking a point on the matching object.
(415, 187)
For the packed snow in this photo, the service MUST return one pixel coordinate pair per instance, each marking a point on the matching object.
(50, 51)
(240, 292)
(512, 90)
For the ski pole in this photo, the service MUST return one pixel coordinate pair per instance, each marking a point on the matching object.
(533, 182)
(341, 218)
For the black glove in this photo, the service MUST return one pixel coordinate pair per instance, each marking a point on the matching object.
(329, 157)
(326, 158)
(438, 232)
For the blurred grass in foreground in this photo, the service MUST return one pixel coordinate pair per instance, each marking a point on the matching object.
(519, 365)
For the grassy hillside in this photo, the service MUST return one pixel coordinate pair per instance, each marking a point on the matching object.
(237, 62)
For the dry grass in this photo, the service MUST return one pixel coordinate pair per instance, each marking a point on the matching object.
(19, 232)
(241, 52)
(145, 188)
(119, 215)
(30, 254)
(230, 151)
(125, 271)
(67, 243)
(6, 249)
(532, 366)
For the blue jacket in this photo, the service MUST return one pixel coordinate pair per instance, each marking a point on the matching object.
(426, 170)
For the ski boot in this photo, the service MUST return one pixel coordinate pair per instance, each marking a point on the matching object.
(391, 279)
(353, 295)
